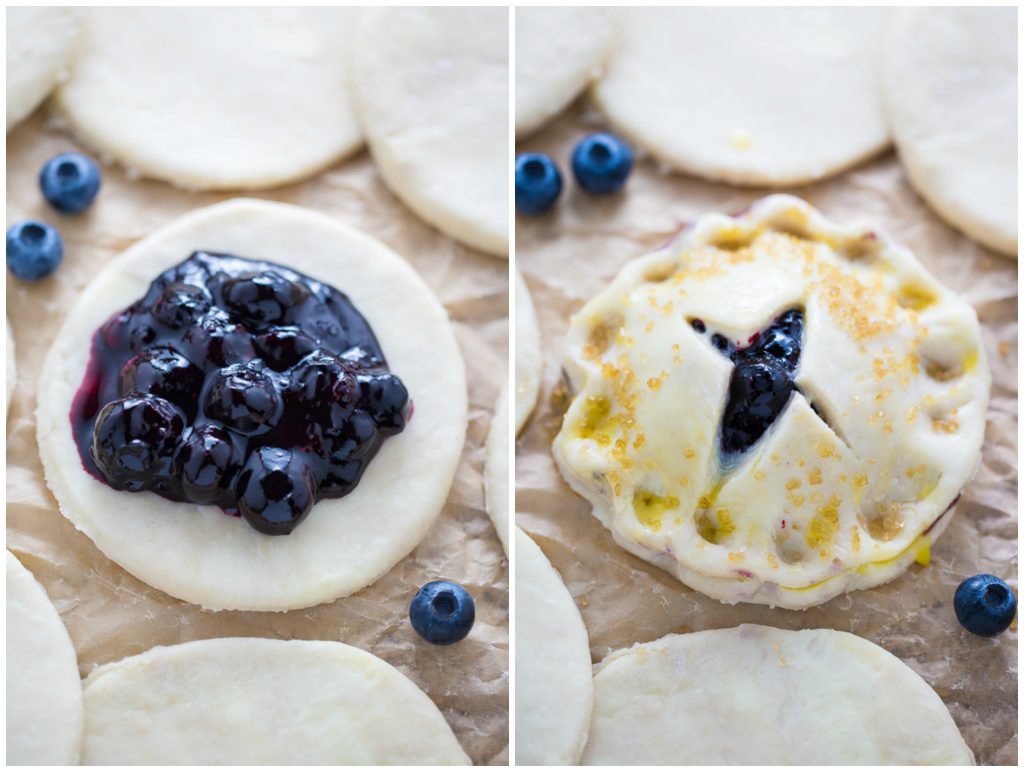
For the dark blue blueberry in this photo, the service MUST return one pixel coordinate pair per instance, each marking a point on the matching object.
(698, 326)
(601, 163)
(985, 605)
(780, 341)
(242, 397)
(262, 298)
(34, 250)
(386, 398)
(70, 182)
(134, 441)
(181, 305)
(721, 343)
(164, 372)
(209, 459)
(538, 183)
(758, 392)
(276, 490)
(442, 612)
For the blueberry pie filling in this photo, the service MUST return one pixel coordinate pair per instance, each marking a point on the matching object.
(241, 384)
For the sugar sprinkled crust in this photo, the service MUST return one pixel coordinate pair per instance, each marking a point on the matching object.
(861, 471)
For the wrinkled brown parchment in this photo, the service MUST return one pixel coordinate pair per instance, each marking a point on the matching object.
(109, 613)
(570, 254)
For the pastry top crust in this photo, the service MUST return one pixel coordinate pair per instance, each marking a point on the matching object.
(879, 437)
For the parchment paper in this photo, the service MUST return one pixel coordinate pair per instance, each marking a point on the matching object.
(109, 613)
(571, 253)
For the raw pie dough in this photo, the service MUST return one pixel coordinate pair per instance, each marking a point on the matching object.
(215, 98)
(554, 688)
(199, 554)
(261, 701)
(749, 96)
(496, 471)
(528, 358)
(431, 90)
(558, 52)
(758, 695)
(818, 506)
(41, 43)
(44, 693)
(12, 365)
(949, 83)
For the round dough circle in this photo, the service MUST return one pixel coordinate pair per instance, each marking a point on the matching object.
(949, 86)
(554, 687)
(41, 42)
(558, 52)
(749, 96)
(432, 94)
(860, 472)
(261, 701)
(12, 365)
(759, 695)
(198, 554)
(528, 356)
(215, 98)
(496, 469)
(44, 693)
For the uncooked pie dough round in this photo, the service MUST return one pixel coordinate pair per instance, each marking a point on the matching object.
(558, 52)
(199, 554)
(261, 701)
(12, 365)
(528, 357)
(496, 470)
(554, 688)
(759, 695)
(750, 96)
(41, 43)
(215, 98)
(949, 84)
(44, 692)
(431, 89)
(860, 470)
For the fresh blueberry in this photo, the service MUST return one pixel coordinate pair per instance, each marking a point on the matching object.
(70, 182)
(34, 250)
(538, 183)
(442, 612)
(135, 439)
(601, 163)
(985, 605)
(276, 490)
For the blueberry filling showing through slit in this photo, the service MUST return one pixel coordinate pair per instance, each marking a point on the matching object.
(761, 383)
(237, 383)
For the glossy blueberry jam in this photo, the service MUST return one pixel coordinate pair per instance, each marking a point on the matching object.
(241, 384)
(761, 382)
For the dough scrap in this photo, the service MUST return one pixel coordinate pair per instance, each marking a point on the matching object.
(198, 554)
(759, 695)
(431, 90)
(44, 693)
(860, 472)
(261, 701)
(528, 355)
(749, 96)
(41, 44)
(554, 687)
(558, 52)
(215, 98)
(496, 470)
(949, 87)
